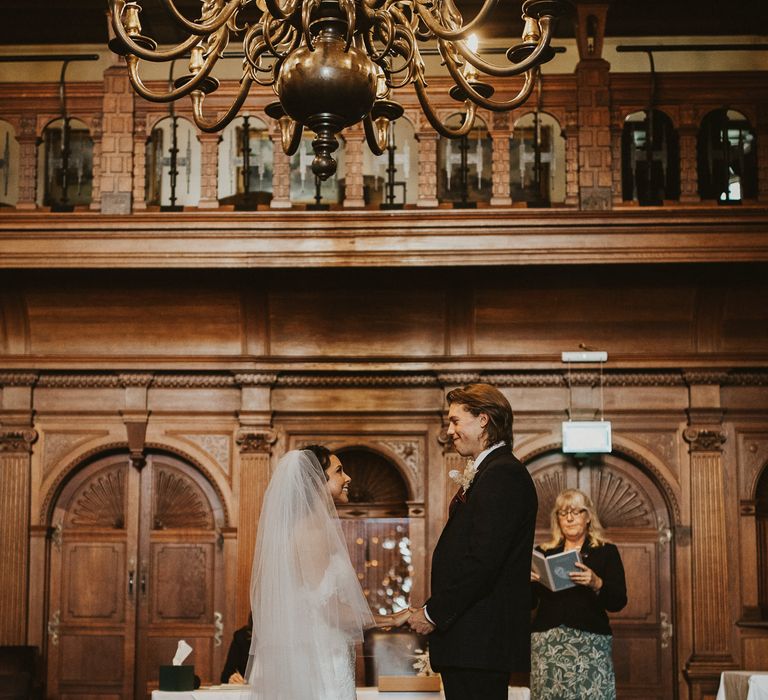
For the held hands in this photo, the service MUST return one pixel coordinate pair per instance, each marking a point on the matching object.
(585, 577)
(418, 621)
(236, 679)
(397, 619)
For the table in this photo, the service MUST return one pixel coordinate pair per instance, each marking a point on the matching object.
(743, 685)
(241, 693)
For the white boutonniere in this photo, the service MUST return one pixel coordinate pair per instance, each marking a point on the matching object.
(464, 479)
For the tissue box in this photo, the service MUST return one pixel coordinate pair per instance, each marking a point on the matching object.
(177, 678)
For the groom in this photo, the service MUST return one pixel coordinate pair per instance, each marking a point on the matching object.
(478, 617)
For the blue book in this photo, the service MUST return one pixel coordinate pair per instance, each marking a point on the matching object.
(553, 570)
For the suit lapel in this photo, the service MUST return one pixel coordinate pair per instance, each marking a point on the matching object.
(480, 469)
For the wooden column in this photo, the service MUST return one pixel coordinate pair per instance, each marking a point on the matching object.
(27, 138)
(15, 453)
(689, 176)
(209, 170)
(572, 157)
(255, 456)
(353, 154)
(710, 541)
(116, 176)
(281, 174)
(500, 175)
(594, 117)
(427, 160)
(617, 125)
(139, 165)
(97, 132)
(255, 438)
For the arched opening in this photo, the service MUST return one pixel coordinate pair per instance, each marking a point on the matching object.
(9, 165)
(309, 190)
(65, 165)
(650, 159)
(761, 522)
(376, 527)
(637, 518)
(136, 563)
(537, 161)
(246, 164)
(727, 157)
(464, 176)
(401, 186)
(172, 175)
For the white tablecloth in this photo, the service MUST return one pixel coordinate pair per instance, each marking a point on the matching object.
(241, 693)
(743, 685)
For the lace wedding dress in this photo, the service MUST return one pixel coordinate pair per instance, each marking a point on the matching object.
(308, 608)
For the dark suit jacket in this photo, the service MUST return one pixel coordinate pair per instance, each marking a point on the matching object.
(481, 585)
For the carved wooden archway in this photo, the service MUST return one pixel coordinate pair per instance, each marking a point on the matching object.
(635, 514)
(136, 564)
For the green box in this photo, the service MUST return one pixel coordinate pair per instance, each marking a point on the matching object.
(177, 678)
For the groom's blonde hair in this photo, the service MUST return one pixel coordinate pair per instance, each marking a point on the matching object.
(484, 398)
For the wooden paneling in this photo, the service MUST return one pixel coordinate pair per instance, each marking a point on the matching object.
(356, 321)
(745, 319)
(104, 321)
(547, 318)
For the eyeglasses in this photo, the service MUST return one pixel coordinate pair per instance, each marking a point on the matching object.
(575, 512)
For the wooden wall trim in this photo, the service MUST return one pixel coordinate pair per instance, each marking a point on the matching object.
(376, 239)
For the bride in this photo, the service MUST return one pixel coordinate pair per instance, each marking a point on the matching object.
(308, 607)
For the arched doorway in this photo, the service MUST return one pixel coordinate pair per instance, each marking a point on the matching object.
(135, 565)
(637, 519)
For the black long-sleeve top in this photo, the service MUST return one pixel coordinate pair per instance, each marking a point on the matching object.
(580, 607)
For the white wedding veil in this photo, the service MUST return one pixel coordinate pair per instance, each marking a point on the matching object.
(308, 607)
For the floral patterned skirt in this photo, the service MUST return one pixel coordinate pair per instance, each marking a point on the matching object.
(570, 664)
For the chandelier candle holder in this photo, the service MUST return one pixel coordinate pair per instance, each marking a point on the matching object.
(334, 63)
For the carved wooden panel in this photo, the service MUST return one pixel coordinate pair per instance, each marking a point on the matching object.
(638, 664)
(100, 501)
(94, 588)
(78, 651)
(620, 502)
(744, 319)
(178, 502)
(641, 571)
(182, 582)
(549, 482)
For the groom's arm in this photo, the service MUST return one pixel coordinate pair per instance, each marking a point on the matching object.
(502, 509)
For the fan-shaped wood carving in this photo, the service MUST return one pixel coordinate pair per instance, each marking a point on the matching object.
(100, 502)
(548, 483)
(620, 503)
(374, 478)
(179, 503)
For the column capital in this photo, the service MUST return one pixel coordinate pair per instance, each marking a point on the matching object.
(256, 440)
(17, 440)
(704, 440)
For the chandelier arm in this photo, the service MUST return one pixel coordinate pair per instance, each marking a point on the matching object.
(274, 9)
(447, 131)
(518, 68)
(290, 135)
(493, 105)
(202, 29)
(283, 28)
(186, 89)
(151, 55)
(210, 126)
(376, 134)
(391, 33)
(442, 32)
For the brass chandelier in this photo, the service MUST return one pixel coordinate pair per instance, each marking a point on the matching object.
(334, 63)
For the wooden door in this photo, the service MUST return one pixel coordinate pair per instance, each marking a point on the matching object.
(135, 566)
(633, 511)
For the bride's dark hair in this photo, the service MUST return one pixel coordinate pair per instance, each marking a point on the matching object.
(323, 455)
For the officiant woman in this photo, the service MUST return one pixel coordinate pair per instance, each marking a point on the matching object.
(571, 640)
